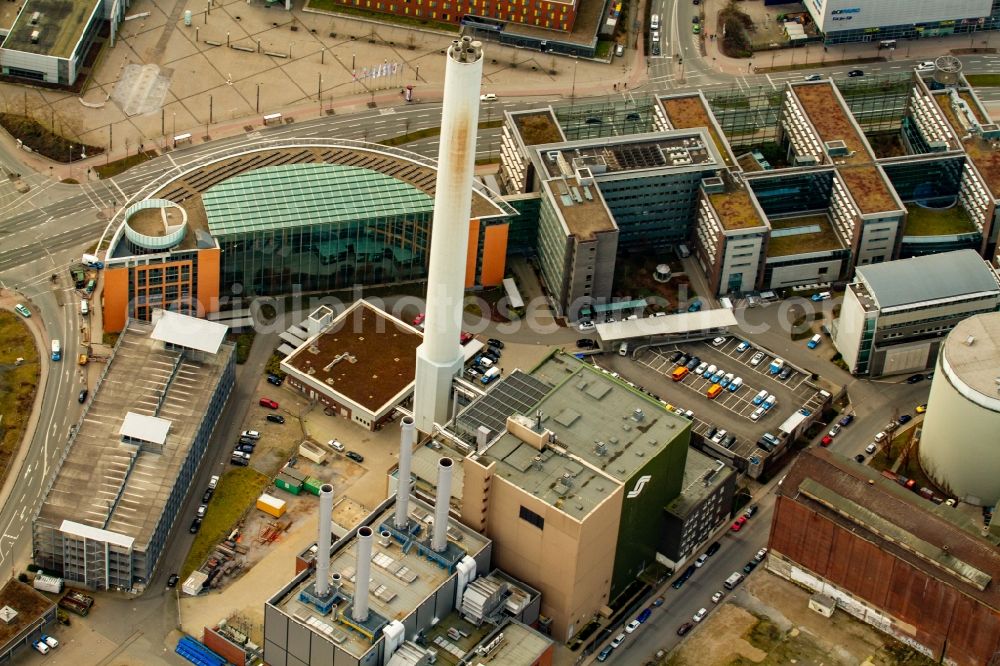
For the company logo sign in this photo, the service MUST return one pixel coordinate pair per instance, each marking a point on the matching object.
(639, 485)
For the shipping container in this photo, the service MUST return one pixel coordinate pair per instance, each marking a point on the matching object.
(73, 606)
(288, 484)
(312, 485)
(48, 583)
(271, 505)
(294, 473)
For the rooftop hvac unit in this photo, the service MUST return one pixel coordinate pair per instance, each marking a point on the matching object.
(553, 156)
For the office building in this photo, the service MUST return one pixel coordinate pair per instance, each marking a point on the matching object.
(103, 522)
(895, 316)
(24, 614)
(283, 218)
(920, 572)
(568, 471)
(704, 503)
(885, 21)
(555, 15)
(50, 40)
(959, 434)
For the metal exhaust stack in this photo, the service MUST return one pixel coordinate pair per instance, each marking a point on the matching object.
(439, 540)
(403, 477)
(363, 578)
(323, 540)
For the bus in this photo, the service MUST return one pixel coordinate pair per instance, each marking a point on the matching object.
(56, 350)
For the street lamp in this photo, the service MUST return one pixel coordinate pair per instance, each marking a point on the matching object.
(258, 98)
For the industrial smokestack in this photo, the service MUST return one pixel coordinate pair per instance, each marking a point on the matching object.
(323, 540)
(440, 357)
(363, 578)
(439, 541)
(403, 477)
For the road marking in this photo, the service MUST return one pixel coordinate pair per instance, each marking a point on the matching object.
(768, 77)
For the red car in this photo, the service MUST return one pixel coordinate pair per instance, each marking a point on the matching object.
(419, 319)
(738, 525)
(267, 402)
(826, 441)
(466, 337)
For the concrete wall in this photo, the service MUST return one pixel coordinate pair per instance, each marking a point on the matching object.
(742, 257)
(878, 240)
(850, 326)
(810, 272)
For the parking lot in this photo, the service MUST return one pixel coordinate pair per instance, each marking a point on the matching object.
(730, 410)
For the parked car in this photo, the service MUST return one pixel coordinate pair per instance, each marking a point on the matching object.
(743, 346)
(676, 355)
(335, 445)
(267, 402)
(915, 379)
(769, 402)
(172, 580)
(356, 457)
(618, 640)
(245, 448)
(50, 641)
(700, 615)
(905, 418)
(757, 413)
(717, 437)
(605, 653)
(814, 77)
(713, 549)
(921, 408)
(683, 359)
(700, 562)
(195, 525)
(250, 434)
(846, 420)
(207, 496)
(632, 626)
(23, 310)
(761, 554)
(826, 441)
(716, 597)
(585, 325)
(274, 379)
(684, 628)
(275, 418)
(493, 342)
(757, 358)
(735, 384)
(738, 524)
(751, 510)
(488, 97)
(40, 646)
(717, 377)
(586, 343)
(749, 566)
(718, 342)
(693, 363)
(82, 398)
(657, 602)
(619, 50)
(855, 72)
(871, 448)
(835, 430)
(785, 373)
(727, 380)
(879, 436)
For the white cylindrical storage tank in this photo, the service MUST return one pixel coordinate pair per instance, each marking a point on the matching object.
(440, 356)
(959, 444)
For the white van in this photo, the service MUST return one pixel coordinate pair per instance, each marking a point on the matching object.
(733, 580)
(654, 22)
(623, 350)
(84, 308)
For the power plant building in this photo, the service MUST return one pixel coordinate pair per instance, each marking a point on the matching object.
(104, 521)
(958, 442)
(568, 471)
(920, 572)
(895, 316)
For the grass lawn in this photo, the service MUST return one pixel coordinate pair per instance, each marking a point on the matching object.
(118, 166)
(238, 490)
(983, 80)
(18, 384)
(929, 222)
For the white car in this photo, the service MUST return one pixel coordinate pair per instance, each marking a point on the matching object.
(335, 445)
(585, 325)
(870, 449)
(632, 626)
(925, 65)
(834, 430)
(716, 597)
(620, 50)
(488, 97)
(719, 436)
(252, 434)
(700, 615)
(202, 510)
(757, 413)
(619, 639)
(700, 562)
(718, 342)
(757, 358)
(701, 368)
(760, 554)
(879, 436)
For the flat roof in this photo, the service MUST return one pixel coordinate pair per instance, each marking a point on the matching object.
(921, 221)
(678, 149)
(932, 277)
(95, 534)
(60, 26)
(108, 485)
(520, 646)
(697, 468)
(896, 520)
(585, 408)
(402, 578)
(735, 208)
(675, 324)
(982, 154)
(366, 355)
(581, 208)
(30, 605)
(145, 428)
(868, 188)
(191, 332)
(537, 126)
(832, 121)
(690, 111)
(976, 364)
(802, 235)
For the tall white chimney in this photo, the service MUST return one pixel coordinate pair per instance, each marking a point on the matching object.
(323, 540)
(440, 358)
(439, 540)
(363, 577)
(403, 477)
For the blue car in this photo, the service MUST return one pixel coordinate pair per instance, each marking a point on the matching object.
(717, 377)
(605, 653)
(742, 347)
(694, 307)
(643, 616)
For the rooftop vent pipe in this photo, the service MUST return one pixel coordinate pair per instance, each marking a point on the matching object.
(407, 434)
(363, 578)
(439, 540)
(323, 540)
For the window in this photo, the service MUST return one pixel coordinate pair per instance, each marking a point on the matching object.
(532, 517)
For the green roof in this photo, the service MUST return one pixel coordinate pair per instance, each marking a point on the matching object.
(299, 195)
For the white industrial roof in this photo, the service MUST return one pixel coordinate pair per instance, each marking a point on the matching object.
(147, 428)
(677, 324)
(936, 277)
(185, 331)
(96, 534)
